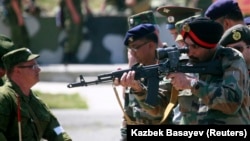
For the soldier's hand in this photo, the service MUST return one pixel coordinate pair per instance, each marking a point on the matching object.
(180, 81)
(128, 80)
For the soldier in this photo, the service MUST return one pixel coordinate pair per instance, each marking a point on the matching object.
(71, 19)
(15, 20)
(226, 12)
(134, 20)
(142, 42)
(174, 14)
(140, 18)
(6, 45)
(224, 96)
(247, 21)
(238, 37)
(23, 115)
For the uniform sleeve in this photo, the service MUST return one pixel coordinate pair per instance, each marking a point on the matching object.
(55, 131)
(225, 94)
(4, 116)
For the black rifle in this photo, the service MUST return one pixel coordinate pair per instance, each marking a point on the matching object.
(153, 73)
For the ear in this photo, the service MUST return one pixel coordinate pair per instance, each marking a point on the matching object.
(227, 23)
(152, 45)
(2, 72)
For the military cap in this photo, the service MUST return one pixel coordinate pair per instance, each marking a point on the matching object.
(179, 23)
(17, 56)
(220, 8)
(235, 34)
(247, 20)
(176, 13)
(143, 17)
(138, 32)
(6, 45)
(202, 31)
(178, 27)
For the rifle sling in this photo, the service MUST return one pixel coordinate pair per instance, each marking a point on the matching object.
(171, 104)
(128, 120)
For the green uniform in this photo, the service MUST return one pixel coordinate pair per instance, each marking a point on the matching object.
(6, 45)
(224, 99)
(74, 31)
(19, 34)
(48, 126)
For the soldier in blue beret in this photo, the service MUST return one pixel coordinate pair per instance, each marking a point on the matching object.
(145, 17)
(247, 21)
(224, 99)
(142, 42)
(226, 12)
(23, 115)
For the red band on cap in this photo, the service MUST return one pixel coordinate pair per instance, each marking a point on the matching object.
(200, 42)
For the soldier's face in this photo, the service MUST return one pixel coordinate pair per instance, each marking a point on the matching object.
(243, 48)
(197, 53)
(173, 32)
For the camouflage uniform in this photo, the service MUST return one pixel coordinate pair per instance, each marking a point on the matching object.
(136, 108)
(186, 110)
(19, 34)
(140, 113)
(221, 100)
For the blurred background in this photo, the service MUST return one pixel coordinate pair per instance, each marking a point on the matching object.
(99, 37)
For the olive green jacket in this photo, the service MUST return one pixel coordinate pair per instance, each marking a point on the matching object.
(48, 126)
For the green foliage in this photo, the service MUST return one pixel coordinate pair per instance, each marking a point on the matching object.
(63, 101)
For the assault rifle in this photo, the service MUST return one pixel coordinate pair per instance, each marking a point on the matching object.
(153, 73)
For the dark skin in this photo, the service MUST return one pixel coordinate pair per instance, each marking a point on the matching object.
(196, 54)
(145, 55)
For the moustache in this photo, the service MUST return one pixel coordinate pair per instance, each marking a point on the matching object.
(194, 59)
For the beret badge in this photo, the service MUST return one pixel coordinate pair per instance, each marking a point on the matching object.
(171, 19)
(131, 21)
(130, 39)
(236, 35)
(186, 27)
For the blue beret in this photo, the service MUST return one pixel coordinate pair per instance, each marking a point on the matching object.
(138, 32)
(247, 20)
(220, 8)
